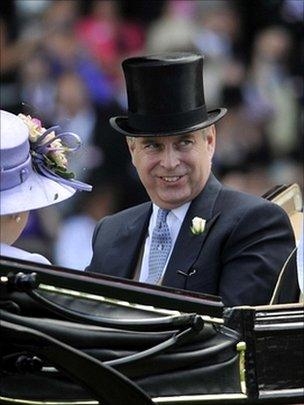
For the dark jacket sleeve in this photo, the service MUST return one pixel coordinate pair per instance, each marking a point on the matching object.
(261, 241)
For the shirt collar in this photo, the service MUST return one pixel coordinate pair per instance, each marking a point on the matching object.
(179, 213)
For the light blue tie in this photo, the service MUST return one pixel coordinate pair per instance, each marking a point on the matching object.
(159, 248)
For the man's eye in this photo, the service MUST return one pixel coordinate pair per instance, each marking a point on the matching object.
(152, 146)
(186, 142)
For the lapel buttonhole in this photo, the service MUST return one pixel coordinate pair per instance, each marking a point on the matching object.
(182, 273)
(191, 273)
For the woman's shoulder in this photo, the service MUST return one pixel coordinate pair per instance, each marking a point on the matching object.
(11, 251)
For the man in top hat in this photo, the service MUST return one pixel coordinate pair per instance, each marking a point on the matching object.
(195, 234)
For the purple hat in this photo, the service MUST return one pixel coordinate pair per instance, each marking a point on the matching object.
(33, 171)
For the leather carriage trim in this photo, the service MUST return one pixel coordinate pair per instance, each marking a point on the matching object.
(186, 399)
(94, 297)
(126, 304)
(155, 324)
(180, 400)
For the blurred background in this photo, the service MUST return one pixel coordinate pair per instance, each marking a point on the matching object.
(61, 62)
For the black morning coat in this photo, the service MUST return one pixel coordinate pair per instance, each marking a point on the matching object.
(238, 256)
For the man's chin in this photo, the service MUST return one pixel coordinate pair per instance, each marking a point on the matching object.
(171, 202)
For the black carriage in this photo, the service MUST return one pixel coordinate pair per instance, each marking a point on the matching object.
(68, 337)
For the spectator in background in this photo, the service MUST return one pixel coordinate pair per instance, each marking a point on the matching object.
(107, 36)
(38, 87)
(76, 252)
(14, 51)
(60, 14)
(174, 30)
(270, 93)
(217, 31)
(218, 26)
(209, 26)
(76, 113)
(66, 54)
(241, 143)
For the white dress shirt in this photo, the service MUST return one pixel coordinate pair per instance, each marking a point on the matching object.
(174, 220)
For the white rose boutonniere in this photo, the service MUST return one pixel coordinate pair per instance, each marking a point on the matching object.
(198, 225)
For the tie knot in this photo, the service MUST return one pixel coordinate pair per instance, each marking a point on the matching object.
(161, 217)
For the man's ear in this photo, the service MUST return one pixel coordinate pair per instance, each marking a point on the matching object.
(211, 140)
(131, 146)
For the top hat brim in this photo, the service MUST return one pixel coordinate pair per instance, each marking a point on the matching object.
(121, 125)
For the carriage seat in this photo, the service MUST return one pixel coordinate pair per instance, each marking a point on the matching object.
(288, 197)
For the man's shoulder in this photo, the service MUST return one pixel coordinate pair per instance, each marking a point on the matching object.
(229, 200)
(128, 214)
(231, 196)
(241, 202)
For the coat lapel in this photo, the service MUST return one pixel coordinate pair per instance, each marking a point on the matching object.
(188, 245)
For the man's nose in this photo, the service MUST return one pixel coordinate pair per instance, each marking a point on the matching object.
(170, 158)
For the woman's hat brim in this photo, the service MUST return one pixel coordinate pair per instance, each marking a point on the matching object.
(121, 125)
(36, 192)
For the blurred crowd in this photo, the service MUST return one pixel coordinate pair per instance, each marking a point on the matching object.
(61, 62)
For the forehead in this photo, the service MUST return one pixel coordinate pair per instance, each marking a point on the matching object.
(170, 138)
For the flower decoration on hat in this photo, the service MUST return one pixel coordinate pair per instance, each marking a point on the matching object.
(49, 149)
(198, 225)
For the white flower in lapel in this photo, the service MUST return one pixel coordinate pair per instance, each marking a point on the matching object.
(198, 225)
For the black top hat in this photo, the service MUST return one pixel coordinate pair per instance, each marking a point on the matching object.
(165, 96)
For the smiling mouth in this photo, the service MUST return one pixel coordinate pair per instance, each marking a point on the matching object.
(171, 179)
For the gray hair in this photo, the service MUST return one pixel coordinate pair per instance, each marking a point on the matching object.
(205, 132)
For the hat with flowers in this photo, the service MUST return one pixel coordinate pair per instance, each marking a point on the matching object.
(34, 165)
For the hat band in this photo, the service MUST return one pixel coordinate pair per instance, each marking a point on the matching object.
(10, 178)
(167, 122)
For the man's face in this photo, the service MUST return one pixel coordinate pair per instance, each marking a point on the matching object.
(173, 169)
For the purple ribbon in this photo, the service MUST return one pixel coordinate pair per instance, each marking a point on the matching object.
(12, 177)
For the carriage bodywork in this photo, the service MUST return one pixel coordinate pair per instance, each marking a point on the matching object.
(68, 337)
